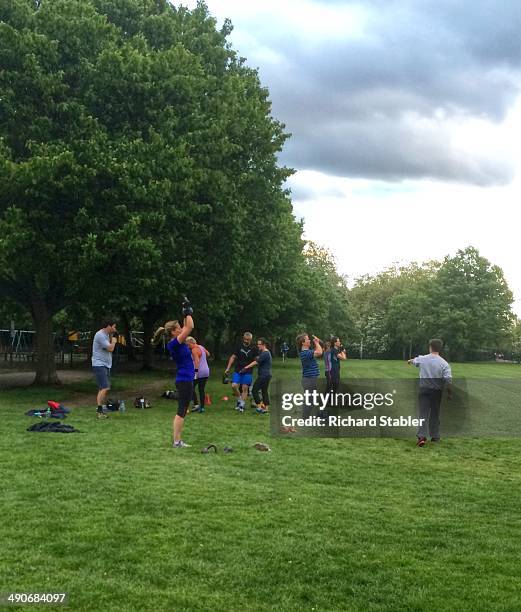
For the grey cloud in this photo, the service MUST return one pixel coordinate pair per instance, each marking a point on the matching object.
(348, 103)
(305, 193)
(391, 152)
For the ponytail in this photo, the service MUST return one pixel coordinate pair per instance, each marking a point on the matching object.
(164, 331)
(158, 334)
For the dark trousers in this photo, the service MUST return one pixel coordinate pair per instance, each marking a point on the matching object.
(261, 385)
(429, 402)
(308, 384)
(200, 384)
(184, 390)
(332, 381)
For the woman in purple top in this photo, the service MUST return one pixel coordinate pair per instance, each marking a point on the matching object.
(202, 372)
(182, 355)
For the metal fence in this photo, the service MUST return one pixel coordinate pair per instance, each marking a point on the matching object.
(18, 347)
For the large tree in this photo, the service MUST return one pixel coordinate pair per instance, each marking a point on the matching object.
(472, 304)
(138, 151)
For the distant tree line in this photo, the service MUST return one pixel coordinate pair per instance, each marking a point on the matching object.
(464, 300)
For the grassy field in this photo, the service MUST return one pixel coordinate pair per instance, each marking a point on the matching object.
(121, 521)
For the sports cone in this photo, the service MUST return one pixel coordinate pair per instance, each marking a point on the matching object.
(207, 399)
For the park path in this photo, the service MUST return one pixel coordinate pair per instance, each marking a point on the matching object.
(74, 399)
(24, 379)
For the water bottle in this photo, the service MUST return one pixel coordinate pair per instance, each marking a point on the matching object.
(122, 406)
(48, 413)
(142, 403)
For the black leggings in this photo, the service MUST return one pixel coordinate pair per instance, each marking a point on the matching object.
(185, 390)
(332, 380)
(332, 384)
(261, 385)
(199, 383)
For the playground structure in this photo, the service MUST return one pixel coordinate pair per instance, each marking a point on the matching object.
(18, 346)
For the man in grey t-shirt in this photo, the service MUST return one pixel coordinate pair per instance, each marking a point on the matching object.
(103, 346)
(435, 375)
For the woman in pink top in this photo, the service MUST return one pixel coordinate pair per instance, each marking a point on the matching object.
(202, 372)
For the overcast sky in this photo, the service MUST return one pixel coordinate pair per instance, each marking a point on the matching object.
(406, 122)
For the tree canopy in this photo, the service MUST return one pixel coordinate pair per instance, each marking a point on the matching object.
(139, 156)
(463, 300)
(139, 163)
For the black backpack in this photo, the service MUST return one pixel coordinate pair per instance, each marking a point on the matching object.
(173, 395)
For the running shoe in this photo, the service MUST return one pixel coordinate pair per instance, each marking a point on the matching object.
(180, 444)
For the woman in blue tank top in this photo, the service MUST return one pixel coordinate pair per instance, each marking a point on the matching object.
(182, 355)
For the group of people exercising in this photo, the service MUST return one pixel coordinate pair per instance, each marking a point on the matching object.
(192, 368)
(193, 371)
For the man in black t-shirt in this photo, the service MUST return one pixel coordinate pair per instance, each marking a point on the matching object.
(244, 354)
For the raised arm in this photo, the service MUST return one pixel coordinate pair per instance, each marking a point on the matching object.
(110, 348)
(318, 349)
(188, 326)
(109, 345)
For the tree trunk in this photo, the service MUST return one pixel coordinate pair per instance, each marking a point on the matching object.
(45, 364)
(95, 326)
(131, 353)
(200, 334)
(149, 318)
(217, 344)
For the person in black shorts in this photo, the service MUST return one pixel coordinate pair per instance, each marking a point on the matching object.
(244, 354)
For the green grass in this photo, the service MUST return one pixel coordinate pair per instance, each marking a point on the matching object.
(121, 521)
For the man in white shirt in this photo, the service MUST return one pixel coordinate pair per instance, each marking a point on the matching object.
(435, 375)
